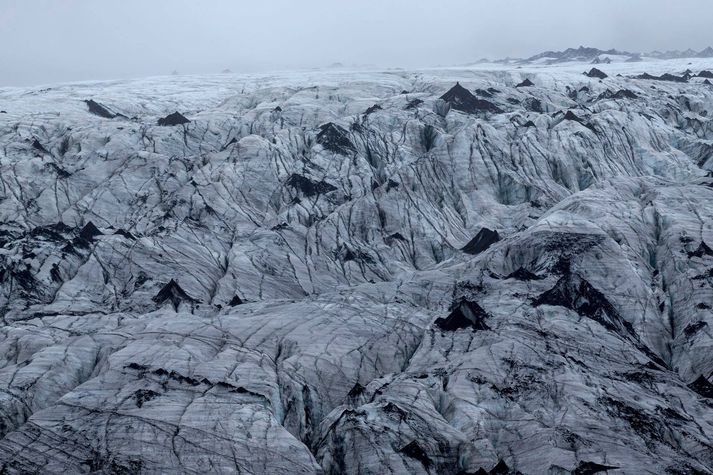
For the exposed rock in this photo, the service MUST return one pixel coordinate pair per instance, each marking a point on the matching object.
(173, 119)
(89, 232)
(372, 109)
(703, 387)
(461, 99)
(620, 94)
(590, 468)
(534, 105)
(38, 146)
(309, 187)
(173, 293)
(335, 139)
(598, 60)
(464, 315)
(572, 116)
(482, 241)
(414, 451)
(99, 109)
(575, 293)
(702, 250)
(664, 77)
(235, 301)
(596, 73)
(526, 83)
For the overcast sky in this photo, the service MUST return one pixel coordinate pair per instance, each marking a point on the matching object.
(45, 41)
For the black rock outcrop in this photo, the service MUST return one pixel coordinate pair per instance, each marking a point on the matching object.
(415, 451)
(664, 77)
(591, 468)
(596, 73)
(575, 293)
(335, 139)
(173, 119)
(702, 250)
(703, 387)
(620, 94)
(99, 109)
(172, 292)
(463, 100)
(309, 187)
(465, 314)
(89, 232)
(482, 241)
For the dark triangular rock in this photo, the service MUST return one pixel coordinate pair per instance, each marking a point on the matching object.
(460, 98)
(703, 250)
(534, 105)
(526, 83)
(705, 74)
(572, 116)
(482, 241)
(693, 328)
(707, 82)
(529, 123)
(596, 73)
(465, 314)
(89, 232)
(415, 451)
(172, 292)
(235, 301)
(309, 187)
(98, 109)
(356, 391)
(591, 468)
(703, 387)
(575, 293)
(173, 119)
(335, 139)
(673, 78)
(38, 146)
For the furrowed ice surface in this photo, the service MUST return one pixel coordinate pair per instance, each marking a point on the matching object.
(451, 271)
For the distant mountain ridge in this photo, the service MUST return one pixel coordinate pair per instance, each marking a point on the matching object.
(597, 56)
(575, 54)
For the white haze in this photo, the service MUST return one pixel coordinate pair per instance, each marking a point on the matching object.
(45, 41)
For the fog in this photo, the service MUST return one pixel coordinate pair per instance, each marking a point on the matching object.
(46, 41)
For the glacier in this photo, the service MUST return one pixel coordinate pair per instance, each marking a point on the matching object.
(484, 269)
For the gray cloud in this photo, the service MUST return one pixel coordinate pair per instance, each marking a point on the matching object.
(46, 41)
